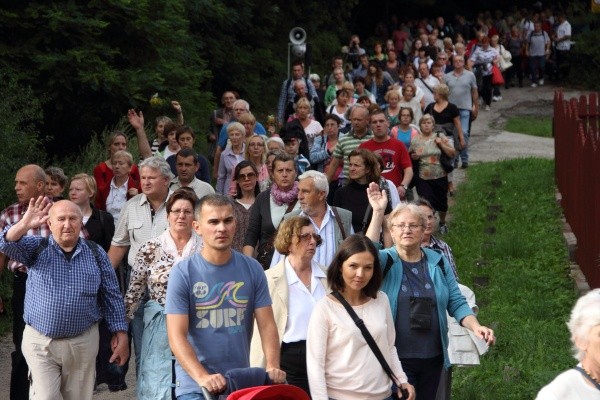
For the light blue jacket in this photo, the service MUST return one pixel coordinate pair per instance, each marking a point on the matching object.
(447, 294)
(155, 377)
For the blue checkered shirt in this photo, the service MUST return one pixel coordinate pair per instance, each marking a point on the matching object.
(65, 298)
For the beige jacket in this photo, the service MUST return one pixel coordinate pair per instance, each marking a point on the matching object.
(278, 289)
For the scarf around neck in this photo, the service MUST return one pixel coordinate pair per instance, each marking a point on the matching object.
(281, 197)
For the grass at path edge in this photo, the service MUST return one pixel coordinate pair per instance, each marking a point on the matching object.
(506, 230)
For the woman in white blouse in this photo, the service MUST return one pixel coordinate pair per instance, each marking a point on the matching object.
(296, 283)
(343, 366)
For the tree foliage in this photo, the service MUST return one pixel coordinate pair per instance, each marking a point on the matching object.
(95, 59)
(20, 117)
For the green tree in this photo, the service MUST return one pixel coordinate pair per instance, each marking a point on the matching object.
(20, 117)
(247, 44)
(95, 59)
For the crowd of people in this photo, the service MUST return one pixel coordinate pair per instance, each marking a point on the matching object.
(323, 217)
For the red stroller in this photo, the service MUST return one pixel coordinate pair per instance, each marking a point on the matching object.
(272, 392)
(254, 383)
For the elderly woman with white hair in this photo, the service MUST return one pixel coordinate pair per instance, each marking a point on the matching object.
(583, 381)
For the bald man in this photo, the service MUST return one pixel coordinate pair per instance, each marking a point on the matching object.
(30, 182)
(71, 286)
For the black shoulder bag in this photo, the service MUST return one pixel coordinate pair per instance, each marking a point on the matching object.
(371, 342)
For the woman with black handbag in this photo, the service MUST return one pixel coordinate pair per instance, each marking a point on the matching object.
(447, 116)
(429, 148)
(343, 365)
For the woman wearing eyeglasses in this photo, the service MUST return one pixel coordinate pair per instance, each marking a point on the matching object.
(151, 269)
(296, 283)
(245, 178)
(421, 287)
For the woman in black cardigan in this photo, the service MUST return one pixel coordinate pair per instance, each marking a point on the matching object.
(269, 208)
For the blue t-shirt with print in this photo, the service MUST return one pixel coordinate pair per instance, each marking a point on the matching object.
(220, 301)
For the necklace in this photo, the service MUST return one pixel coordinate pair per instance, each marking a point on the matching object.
(594, 378)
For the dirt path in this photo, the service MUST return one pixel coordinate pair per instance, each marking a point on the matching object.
(488, 143)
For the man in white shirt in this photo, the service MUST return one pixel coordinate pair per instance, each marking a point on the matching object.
(562, 39)
(426, 82)
(143, 217)
(313, 189)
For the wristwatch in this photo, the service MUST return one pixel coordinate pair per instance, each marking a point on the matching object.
(405, 187)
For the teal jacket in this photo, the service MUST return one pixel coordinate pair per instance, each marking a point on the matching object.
(447, 293)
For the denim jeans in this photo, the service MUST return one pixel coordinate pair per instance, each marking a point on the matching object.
(465, 122)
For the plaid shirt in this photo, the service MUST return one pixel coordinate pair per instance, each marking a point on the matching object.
(438, 244)
(10, 216)
(65, 297)
(287, 94)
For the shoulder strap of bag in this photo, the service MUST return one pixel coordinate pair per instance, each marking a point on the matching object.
(290, 206)
(426, 85)
(388, 265)
(366, 219)
(339, 222)
(94, 247)
(367, 335)
(587, 376)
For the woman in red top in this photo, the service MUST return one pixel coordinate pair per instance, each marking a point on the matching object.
(103, 172)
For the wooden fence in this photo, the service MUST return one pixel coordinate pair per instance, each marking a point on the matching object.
(576, 129)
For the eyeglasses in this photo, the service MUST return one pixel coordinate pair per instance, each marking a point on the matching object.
(178, 212)
(305, 237)
(255, 144)
(403, 227)
(243, 177)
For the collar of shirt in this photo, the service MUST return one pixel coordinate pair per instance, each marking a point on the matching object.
(114, 186)
(326, 251)
(292, 277)
(144, 199)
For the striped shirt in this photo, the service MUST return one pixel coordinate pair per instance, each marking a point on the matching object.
(345, 146)
(64, 298)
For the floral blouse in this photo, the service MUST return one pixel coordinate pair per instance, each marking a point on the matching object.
(429, 153)
(152, 267)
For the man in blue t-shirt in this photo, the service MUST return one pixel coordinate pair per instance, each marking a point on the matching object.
(212, 299)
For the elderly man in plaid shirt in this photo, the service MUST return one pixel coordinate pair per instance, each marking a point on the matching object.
(71, 286)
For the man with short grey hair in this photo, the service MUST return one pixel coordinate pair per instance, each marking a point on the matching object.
(334, 224)
(143, 217)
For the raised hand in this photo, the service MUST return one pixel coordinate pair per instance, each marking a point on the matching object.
(175, 104)
(377, 198)
(37, 212)
(135, 120)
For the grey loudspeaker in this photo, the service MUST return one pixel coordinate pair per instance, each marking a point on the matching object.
(297, 35)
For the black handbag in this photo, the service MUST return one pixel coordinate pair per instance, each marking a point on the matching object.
(446, 162)
(371, 342)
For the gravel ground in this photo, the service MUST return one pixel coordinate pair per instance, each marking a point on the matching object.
(488, 143)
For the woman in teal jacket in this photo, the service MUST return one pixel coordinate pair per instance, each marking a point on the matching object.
(421, 287)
